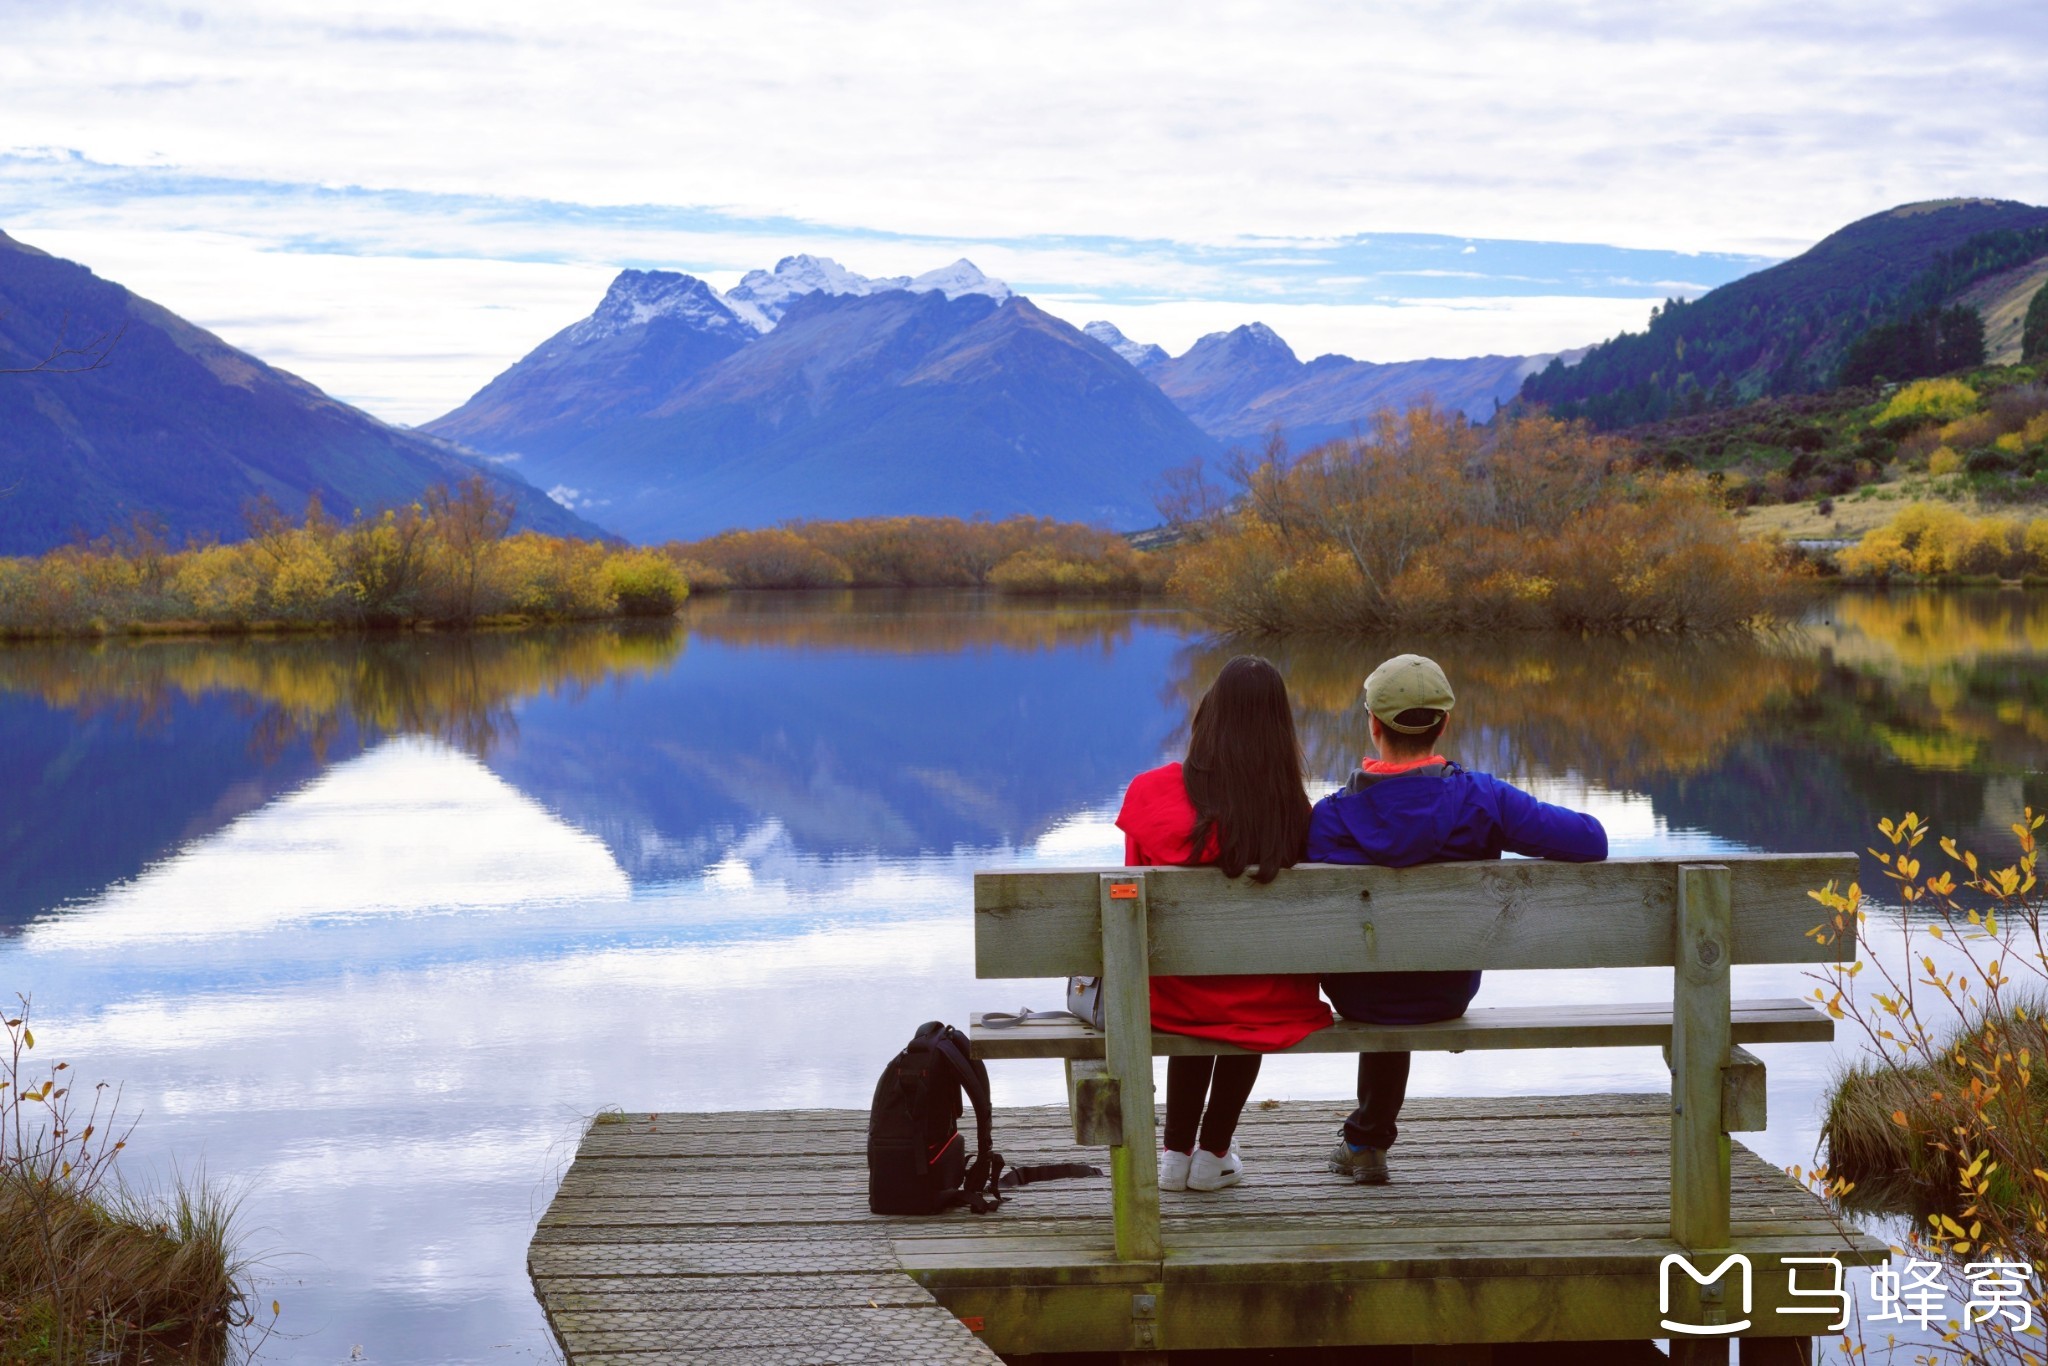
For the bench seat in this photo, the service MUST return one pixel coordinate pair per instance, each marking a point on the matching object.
(1783, 1020)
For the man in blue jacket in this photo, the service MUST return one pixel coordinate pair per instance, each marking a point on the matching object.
(1411, 805)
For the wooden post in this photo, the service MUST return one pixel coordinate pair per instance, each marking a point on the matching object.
(1700, 1043)
(1700, 1040)
(1127, 1052)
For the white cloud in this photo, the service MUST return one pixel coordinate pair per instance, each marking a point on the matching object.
(1187, 153)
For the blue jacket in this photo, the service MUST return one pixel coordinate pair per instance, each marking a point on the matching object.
(1437, 814)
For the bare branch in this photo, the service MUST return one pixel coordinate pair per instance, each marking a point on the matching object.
(65, 359)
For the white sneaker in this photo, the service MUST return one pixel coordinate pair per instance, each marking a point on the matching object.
(1173, 1170)
(1208, 1172)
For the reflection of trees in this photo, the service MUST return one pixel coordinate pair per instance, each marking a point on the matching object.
(1614, 711)
(1899, 684)
(1936, 681)
(458, 687)
(914, 621)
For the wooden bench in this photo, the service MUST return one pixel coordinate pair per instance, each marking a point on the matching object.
(1698, 917)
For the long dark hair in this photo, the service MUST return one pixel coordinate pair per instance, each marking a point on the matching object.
(1244, 772)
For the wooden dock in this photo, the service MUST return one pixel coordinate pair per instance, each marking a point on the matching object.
(744, 1238)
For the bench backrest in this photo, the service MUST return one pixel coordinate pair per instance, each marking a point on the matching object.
(1695, 917)
(1509, 913)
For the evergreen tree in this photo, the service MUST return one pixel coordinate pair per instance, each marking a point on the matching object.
(2034, 340)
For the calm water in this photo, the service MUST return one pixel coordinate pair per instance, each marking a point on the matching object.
(369, 928)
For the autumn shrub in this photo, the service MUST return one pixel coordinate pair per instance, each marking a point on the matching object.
(549, 578)
(930, 552)
(1425, 520)
(1047, 572)
(774, 558)
(1944, 460)
(1938, 540)
(645, 583)
(1927, 400)
(1945, 1113)
(448, 559)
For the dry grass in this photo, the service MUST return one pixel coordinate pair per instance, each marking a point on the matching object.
(90, 1270)
(1848, 517)
(1905, 1168)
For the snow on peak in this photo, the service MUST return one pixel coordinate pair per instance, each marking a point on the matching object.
(1139, 354)
(962, 277)
(637, 297)
(763, 296)
(1264, 336)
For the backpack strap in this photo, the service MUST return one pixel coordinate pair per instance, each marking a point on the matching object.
(984, 1175)
(1003, 1019)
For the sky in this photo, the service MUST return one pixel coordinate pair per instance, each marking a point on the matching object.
(397, 200)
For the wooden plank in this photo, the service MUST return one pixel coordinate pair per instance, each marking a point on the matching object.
(665, 1256)
(1699, 1053)
(1744, 1105)
(1317, 918)
(1644, 1025)
(1095, 1103)
(1127, 1053)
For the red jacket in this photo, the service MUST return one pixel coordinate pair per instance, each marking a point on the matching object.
(1262, 1013)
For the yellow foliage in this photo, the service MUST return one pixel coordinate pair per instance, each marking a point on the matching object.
(1940, 400)
(1944, 461)
(1934, 539)
(1428, 521)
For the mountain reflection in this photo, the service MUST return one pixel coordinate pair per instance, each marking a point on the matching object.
(907, 724)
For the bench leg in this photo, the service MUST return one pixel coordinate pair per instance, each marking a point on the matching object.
(1127, 1049)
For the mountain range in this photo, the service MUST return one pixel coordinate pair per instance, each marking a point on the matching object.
(809, 391)
(180, 427)
(1790, 328)
(1237, 385)
(812, 391)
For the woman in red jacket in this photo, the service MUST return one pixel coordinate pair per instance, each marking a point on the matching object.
(1236, 802)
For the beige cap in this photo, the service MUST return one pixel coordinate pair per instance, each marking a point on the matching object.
(1405, 682)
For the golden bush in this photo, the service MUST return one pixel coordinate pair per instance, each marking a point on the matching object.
(1425, 520)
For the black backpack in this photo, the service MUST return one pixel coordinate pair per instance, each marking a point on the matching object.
(917, 1162)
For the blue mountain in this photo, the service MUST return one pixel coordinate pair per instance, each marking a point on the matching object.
(183, 428)
(673, 412)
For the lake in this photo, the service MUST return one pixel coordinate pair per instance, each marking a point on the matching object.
(368, 928)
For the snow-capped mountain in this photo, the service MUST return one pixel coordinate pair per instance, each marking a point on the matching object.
(637, 297)
(763, 296)
(667, 412)
(1141, 355)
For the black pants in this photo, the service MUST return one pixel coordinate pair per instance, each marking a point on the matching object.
(1225, 1083)
(1382, 1086)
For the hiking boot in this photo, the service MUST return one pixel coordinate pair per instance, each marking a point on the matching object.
(1366, 1166)
(1209, 1172)
(1173, 1170)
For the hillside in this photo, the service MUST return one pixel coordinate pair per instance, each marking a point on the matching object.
(181, 427)
(1788, 329)
(1238, 384)
(949, 397)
